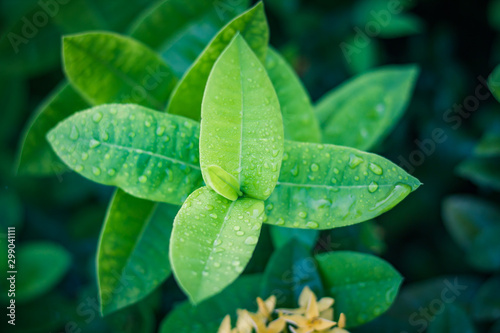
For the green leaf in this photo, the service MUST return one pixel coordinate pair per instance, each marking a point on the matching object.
(362, 285)
(204, 263)
(179, 30)
(494, 82)
(241, 127)
(109, 68)
(465, 216)
(226, 184)
(34, 278)
(36, 157)
(132, 257)
(486, 304)
(363, 237)
(481, 171)
(187, 97)
(207, 316)
(290, 269)
(281, 236)
(451, 320)
(299, 120)
(149, 154)
(484, 250)
(327, 186)
(489, 144)
(402, 25)
(362, 111)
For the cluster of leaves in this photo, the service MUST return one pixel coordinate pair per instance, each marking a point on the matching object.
(263, 150)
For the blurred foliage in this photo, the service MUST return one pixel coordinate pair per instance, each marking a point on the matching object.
(448, 267)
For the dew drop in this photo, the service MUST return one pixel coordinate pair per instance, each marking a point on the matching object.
(160, 130)
(280, 221)
(237, 227)
(251, 240)
(354, 161)
(147, 123)
(314, 167)
(372, 187)
(74, 133)
(97, 117)
(85, 156)
(143, 179)
(96, 171)
(209, 207)
(303, 215)
(111, 172)
(214, 216)
(217, 264)
(240, 233)
(217, 242)
(376, 169)
(336, 171)
(79, 168)
(93, 143)
(312, 225)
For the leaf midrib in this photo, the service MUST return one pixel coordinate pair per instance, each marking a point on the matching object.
(330, 186)
(142, 151)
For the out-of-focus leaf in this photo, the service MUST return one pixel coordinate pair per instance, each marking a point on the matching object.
(36, 157)
(481, 171)
(179, 30)
(109, 68)
(205, 263)
(494, 82)
(362, 285)
(363, 237)
(149, 154)
(132, 258)
(187, 97)
(485, 248)
(299, 120)
(402, 25)
(466, 216)
(489, 144)
(234, 136)
(486, 304)
(281, 236)
(207, 316)
(327, 186)
(290, 269)
(40, 267)
(452, 320)
(361, 59)
(362, 111)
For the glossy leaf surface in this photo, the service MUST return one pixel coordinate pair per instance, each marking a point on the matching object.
(187, 97)
(207, 316)
(327, 186)
(299, 120)
(109, 68)
(149, 154)
(36, 157)
(290, 269)
(179, 30)
(212, 241)
(362, 285)
(241, 127)
(132, 257)
(360, 112)
(489, 144)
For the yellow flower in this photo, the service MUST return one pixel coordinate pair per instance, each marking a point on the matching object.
(311, 320)
(225, 326)
(340, 326)
(324, 305)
